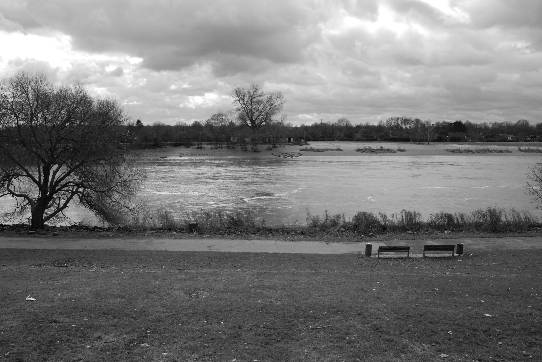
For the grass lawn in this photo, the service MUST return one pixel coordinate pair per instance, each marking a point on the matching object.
(120, 305)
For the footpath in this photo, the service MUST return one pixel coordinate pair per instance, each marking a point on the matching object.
(258, 246)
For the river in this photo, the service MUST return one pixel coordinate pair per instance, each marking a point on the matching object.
(283, 190)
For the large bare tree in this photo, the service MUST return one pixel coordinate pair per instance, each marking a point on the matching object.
(59, 144)
(255, 107)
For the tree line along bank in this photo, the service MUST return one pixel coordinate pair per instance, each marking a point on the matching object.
(220, 129)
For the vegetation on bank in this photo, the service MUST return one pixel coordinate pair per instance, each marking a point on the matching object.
(491, 220)
(481, 220)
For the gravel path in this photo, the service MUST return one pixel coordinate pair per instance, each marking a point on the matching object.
(257, 246)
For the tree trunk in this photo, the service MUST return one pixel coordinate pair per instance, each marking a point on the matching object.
(38, 212)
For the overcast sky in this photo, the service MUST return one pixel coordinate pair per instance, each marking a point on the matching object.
(176, 61)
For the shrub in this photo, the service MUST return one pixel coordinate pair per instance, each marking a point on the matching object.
(326, 223)
(366, 222)
(226, 222)
(409, 220)
(519, 221)
(442, 221)
(165, 220)
(489, 219)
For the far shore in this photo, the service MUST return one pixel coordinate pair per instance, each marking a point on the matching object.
(345, 148)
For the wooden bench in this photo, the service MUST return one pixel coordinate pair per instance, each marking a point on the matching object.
(393, 249)
(438, 248)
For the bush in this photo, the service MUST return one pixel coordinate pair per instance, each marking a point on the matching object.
(442, 221)
(165, 220)
(161, 219)
(409, 220)
(491, 219)
(327, 223)
(226, 222)
(519, 221)
(366, 222)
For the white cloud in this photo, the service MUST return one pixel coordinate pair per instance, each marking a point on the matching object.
(207, 100)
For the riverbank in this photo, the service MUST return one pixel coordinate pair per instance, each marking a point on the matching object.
(166, 306)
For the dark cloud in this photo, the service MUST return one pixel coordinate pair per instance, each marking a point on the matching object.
(364, 59)
(171, 35)
(503, 13)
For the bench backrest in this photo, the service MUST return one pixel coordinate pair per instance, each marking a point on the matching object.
(393, 248)
(439, 247)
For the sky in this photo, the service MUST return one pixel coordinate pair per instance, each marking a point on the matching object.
(174, 61)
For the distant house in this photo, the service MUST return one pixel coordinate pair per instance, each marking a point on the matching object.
(501, 137)
(509, 137)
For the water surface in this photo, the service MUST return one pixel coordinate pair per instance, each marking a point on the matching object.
(284, 190)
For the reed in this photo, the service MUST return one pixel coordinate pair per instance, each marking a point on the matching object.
(491, 219)
(220, 222)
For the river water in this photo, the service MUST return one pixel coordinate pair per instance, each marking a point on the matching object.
(284, 190)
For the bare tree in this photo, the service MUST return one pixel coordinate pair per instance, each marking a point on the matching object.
(58, 144)
(219, 119)
(534, 183)
(256, 108)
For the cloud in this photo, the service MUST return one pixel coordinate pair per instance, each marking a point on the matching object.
(175, 61)
(171, 35)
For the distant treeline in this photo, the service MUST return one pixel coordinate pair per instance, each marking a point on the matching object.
(396, 129)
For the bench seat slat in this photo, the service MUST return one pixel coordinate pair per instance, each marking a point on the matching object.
(393, 249)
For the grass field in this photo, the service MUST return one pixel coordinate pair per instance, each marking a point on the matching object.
(166, 306)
